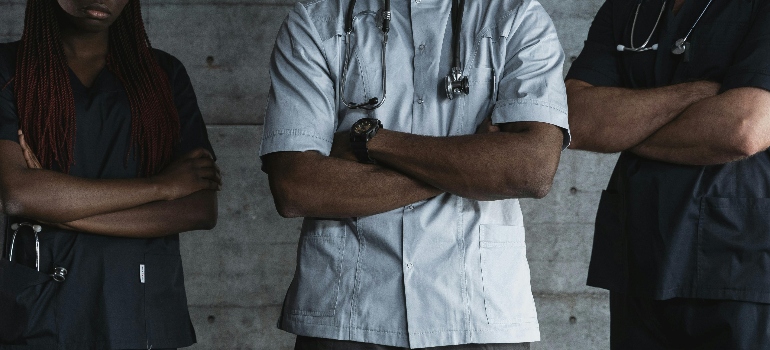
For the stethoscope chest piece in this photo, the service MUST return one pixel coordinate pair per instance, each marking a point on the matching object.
(680, 47)
(456, 83)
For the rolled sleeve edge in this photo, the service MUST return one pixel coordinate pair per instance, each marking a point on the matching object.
(746, 78)
(529, 110)
(294, 140)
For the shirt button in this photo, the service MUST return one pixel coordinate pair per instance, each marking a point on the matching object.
(417, 1)
(421, 47)
(420, 101)
(409, 207)
(409, 265)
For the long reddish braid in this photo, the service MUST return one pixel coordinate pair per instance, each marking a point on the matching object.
(46, 105)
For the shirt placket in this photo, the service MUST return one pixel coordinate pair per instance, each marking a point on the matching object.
(427, 50)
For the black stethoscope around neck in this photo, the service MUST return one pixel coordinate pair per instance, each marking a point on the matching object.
(455, 83)
(680, 46)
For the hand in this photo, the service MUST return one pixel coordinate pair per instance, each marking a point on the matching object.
(341, 147)
(191, 173)
(487, 127)
(29, 156)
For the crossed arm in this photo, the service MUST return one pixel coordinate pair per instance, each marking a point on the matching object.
(687, 123)
(180, 198)
(518, 161)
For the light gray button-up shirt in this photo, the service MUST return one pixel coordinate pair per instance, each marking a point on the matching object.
(448, 270)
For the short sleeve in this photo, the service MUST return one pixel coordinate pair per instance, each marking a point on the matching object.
(300, 112)
(193, 132)
(597, 63)
(751, 63)
(531, 86)
(9, 118)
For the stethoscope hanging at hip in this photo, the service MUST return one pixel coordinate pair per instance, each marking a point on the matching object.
(59, 274)
(455, 83)
(680, 46)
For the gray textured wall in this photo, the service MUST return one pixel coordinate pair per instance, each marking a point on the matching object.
(237, 274)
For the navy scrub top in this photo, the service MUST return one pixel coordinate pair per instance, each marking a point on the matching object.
(103, 304)
(665, 230)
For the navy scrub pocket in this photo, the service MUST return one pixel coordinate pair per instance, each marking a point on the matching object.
(26, 303)
(733, 249)
(608, 258)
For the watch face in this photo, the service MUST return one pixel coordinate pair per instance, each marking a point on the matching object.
(362, 127)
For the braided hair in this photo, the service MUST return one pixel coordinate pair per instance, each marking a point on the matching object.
(45, 101)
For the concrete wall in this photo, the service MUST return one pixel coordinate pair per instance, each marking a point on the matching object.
(238, 273)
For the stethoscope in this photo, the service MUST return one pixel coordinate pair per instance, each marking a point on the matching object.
(680, 46)
(59, 273)
(455, 83)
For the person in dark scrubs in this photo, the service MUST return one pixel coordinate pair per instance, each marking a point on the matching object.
(103, 150)
(682, 239)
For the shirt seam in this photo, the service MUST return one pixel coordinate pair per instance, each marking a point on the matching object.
(496, 328)
(294, 132)
(542, 103)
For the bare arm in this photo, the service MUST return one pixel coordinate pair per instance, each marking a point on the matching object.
(197, 211)
(313, 185)
(56, 198)
(716, 130)
(611, 119)
(519, 161)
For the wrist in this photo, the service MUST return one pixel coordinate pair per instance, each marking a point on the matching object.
(156, 189)
(361, 133)
(699, 90)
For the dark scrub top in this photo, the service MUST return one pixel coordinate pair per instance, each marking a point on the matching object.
(103, 304)
(665, 230)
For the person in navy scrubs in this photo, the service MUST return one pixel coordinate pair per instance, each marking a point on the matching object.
(102, 145)
(682, 89)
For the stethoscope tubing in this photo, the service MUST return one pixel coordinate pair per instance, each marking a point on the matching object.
(680, 44)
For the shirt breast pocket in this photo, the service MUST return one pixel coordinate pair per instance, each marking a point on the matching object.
(483, 67)
(714, 46)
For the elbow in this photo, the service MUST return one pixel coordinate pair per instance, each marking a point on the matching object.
(207, 214)
(10, 204)
(287, 209)
(288, 199)
(536, 184)
(539, 190)
(538, 187)
(747, 141)
(209, 221)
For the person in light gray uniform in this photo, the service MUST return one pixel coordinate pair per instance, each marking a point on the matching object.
(404, 136)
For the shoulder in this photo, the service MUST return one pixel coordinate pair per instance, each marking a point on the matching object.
(8, 59)
(168, 62)
(321, 18)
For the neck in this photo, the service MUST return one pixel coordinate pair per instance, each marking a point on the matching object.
(678, 5)
(84, 45)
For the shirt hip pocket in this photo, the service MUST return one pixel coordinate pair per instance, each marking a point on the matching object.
(505, 275)
(317, 280)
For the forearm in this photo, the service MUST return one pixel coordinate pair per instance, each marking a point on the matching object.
(54, 197)
(197, 211)
(491, 166)
(717, 130)
(308, 184)
(49, 196)
(611, 119)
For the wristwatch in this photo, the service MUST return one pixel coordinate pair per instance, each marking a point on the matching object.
(360, 133)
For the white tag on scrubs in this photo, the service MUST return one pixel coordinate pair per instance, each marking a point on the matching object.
(141, 273)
